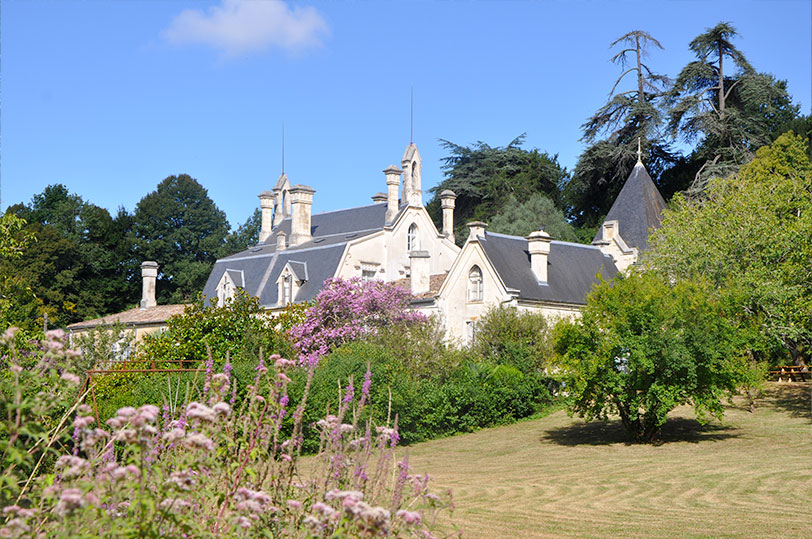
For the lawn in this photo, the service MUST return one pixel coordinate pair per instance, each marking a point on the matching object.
(748, 476)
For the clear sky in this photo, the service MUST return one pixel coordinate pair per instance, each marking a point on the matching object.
(109, 98)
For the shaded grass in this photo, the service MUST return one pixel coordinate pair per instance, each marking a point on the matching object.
(748, 476)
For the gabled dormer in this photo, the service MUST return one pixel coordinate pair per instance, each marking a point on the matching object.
(290, 280)
(229, 283)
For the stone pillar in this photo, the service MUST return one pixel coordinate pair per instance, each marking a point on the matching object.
(447, 202)
(379, 198)
(419, 268)
(301, 202)
(278, 212)
(392, 183)
(281, 241)
(476, 229)
(538, 245)
(266, 204)
(149, 274)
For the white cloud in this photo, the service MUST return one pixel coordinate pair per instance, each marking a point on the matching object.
(239, 27)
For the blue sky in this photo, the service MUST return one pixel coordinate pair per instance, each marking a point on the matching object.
(109, 98)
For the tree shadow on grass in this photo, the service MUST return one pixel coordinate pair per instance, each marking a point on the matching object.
(676, 429)
(795, 398)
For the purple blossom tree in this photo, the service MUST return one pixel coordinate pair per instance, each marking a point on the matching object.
(346, 310)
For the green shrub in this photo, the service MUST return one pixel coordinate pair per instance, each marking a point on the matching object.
(510, 337)
(646, 345)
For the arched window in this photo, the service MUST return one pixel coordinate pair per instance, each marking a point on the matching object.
(475, 284)
(412, 239)
(285, 203)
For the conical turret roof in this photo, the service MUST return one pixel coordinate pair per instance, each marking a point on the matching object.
(638, 208)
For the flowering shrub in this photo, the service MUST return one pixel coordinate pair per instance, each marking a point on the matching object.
(218, 468)
(36, 394)
(345, 310)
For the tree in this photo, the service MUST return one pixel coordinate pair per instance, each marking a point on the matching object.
(246, 235)
(19, 306)
(484, 178)
(236, 328)
(538, 211)
(78, 265)
(750, 237)
(628, 118)
(179, 226)
(645, 346)
(731, 109)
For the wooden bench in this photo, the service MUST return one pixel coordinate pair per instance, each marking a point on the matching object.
(791, 373)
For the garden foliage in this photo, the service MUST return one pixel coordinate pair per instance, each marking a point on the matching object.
(645, 346)
(214, 468)
(749, 236)
(346, 310)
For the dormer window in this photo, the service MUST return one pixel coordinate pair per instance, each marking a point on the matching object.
(475, 284)
(412, 239)
(287, 290)
(227, 287)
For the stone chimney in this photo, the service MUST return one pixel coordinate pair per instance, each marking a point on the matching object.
(447, 202)
(281, 241)
(476, 229)
(149, 273)
(419, 268)
(538, 245)
(392, 183)
(266, 202)
(377, 198)
(301, 202)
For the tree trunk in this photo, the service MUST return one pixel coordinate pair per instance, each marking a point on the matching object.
(639, 71)
(721, 82)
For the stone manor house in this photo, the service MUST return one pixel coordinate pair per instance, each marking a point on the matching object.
(394, 239)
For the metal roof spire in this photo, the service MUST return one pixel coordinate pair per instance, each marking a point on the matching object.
(639, 153)
(411, 116)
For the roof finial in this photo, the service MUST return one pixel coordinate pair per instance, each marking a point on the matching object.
(639, 153)
(283, 147)
(411, 116)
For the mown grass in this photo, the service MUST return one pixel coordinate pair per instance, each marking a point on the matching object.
(748, 476)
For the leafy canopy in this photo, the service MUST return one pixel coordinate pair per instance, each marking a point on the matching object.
(488, 179)
(732, 110)
(538, 211)
(645, 346)
(179, 226)
(750, 237)
(79, 267)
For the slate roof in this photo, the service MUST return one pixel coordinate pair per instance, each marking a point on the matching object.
(313, 261)
(571, 268)
(637, 209)
(134, 317)
(354, 220)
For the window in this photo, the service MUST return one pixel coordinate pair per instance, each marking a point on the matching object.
(475, 284)
(287, 289)
(470, 331)
(367, 275)
(225, 291)
(412, 239)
